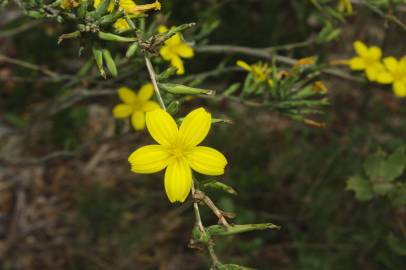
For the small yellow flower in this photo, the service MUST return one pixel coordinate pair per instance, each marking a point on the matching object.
(174, 50)
(135, 104)
(320, 87)
(68, 4)
(307, 61)
(395, 74)
(130, 8)
(260, 71)
(345, 5)
(368, 59)
(178, 151)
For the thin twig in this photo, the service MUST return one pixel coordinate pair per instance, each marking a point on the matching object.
(152, 75)
(25, 64)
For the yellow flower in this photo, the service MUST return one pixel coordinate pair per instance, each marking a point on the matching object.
(68, 4)
(135, 104)
(260, 71)
(345, 5)
(174, 50)
(368, 59)
(395, 74)
(178, 151)
(129, 7)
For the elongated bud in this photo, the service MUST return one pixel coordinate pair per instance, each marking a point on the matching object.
(167, 73)
(98, 57)
(111, 65)
(68, 36)
(237, 229)
(131, 50)
(173, 107)
(116, 38)
(184, 90)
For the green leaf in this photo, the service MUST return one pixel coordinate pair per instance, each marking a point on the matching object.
(378, 168)
(373, 165)
(233, 267)
(237, 229)
(184, 90)
(361, 187)
(395, 165)
(211, 183)
(398, 196)
(396, 245)
(111, 65)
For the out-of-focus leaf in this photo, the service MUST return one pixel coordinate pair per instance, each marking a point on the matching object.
(361, 187)
(396, 245)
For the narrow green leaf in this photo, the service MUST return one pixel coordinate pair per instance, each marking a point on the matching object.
(111, 65)
(184, 90)
(237, 229)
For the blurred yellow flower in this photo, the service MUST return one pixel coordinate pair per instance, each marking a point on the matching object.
(130, 8)
(68, 4)
(174, 50)
(345, 5)
(394, 74)
(135, 105)
(368, 59)
(260, 71)
(178, 151)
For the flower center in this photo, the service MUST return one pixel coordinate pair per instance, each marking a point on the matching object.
(137, 104)
(178, 150)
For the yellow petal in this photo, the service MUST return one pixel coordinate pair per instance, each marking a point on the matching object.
(357, 63)
(206, 160)
(162, 29)
(371, 73)
(149, 159)
(150, 106)
(403, 62)
(391, 63)
(178, 63)
(178, 180)
(122, 111)
(146, 92)
(127, 5)
(121, 25)
(184, 50)
(195, 127)
(162, 127)
(127, 95)
(399, 87)
(166, 53)
(174, 41)
(138, 120)
(385, 78)
(375, 53)
(360, 48)
(244, 65)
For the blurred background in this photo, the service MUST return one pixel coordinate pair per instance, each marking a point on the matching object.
(68, 199)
